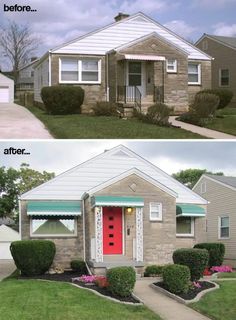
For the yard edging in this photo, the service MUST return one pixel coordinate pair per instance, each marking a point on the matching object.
(178, 299)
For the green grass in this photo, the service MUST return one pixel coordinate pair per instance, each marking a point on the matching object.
(226, 275)
(32, 299)
(219, 304)
(226, 124)
(91, 127)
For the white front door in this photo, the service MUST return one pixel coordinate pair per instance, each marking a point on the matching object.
(4, 94)
(135, 77)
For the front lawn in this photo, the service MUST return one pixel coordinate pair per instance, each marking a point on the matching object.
(91, 127)
(219, 304)
(226, 275)
(32, 299)
(226, 124)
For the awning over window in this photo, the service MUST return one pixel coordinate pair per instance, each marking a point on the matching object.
(189, 210)
(141, 57)
(108, 201)
(53, 208)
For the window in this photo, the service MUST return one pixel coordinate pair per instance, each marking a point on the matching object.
(223, 227)
(203, 187)
(80, 71)
(135, 73)
(224, 77)
(185, 226)
(171, 65)
(155, 211)
(194, 73)
(53, 227)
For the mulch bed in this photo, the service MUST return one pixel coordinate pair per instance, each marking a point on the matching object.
(192, 293)
(67, 277)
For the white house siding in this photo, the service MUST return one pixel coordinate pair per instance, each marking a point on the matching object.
(222, 202)
(41, 79)
(72, 184)
(7, 235)
(6, 89)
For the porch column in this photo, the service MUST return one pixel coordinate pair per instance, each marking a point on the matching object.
(98, 234)
(139, 234)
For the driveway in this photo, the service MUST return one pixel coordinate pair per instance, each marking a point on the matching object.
(16, 122)
(6, 268)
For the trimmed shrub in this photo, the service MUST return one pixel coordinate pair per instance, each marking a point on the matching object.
(79, 266)
(105, 108)
(204, 105)
(190, 118)
(224, 95)
(176, 278)
(33, 257)
(121, 280)
(62, 99)
(153, 270)
(216, 252)
(195, 259)
(158, 114)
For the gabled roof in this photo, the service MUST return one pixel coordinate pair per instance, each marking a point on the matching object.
(226, 41)
(229, 182)
(30, 64)
(72, 184)
(122, 33)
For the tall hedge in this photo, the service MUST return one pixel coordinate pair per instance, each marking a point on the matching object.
(62, 99)
(195, 259)
(33, 257)
(216, 252)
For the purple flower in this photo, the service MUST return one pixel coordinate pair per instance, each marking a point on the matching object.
(196, 284)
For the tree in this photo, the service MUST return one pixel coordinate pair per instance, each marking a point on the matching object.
(189, 177)
(17, 45)
(15, 182)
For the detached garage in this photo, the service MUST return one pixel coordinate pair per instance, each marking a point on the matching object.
(7, 235)
(6, 89)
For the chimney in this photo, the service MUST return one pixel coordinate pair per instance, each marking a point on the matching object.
(121, 16)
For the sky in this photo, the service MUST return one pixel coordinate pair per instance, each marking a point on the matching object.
(58, 21)
(170, 156)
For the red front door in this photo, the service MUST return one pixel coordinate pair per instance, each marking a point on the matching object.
(112, 230)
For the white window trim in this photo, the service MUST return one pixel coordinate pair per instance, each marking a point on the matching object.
(199, 73)
(174, 64)
(80, 72)
(203, 187)
(160, 211)
(188, 235)
(220, 84)
(219, 227)
(52, 235)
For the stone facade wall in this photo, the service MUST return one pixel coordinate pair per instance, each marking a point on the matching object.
(93, 92)
(67, 248)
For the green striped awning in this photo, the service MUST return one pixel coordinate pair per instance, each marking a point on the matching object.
(53, 208)
(108, 201)
(189, 210)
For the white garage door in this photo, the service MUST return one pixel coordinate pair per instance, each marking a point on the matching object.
(4, 94)
(5, 250)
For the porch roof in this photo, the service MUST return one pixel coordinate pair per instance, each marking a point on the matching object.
(189, 210)
(117, 201)
(53, 208)
(141, 57)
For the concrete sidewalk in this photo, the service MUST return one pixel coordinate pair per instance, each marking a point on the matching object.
(6, 268)
(200, 130)
(165, 307)
(16, 122)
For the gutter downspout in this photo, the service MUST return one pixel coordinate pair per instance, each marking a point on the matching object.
(49, 69)
(83, 206)
(107, 73)
(19, 204)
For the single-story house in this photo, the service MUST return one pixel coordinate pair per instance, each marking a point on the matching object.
(7, 235)
(114, 209)
(25, 81)
(223, 50)
(220, 191)
(6, 89)
(134, 61)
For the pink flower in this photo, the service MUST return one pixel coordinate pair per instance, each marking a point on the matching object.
(196, 284)
(221, 269)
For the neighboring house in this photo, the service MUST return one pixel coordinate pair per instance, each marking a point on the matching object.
(223, 50)
(6, 89)
(7, 235)
(114, 209)
(220, 191)
(25, 81)
(134, 61)
(7, 221)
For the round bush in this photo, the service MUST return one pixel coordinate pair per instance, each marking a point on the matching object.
(79, 266)
(121, 280)
(216, 252)
(153, 270)
(62, 99)
(104, 108)
(33, 257)
(195, 259)
(204, 105)
(158, 114)
(224, 95)
(176, 278)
